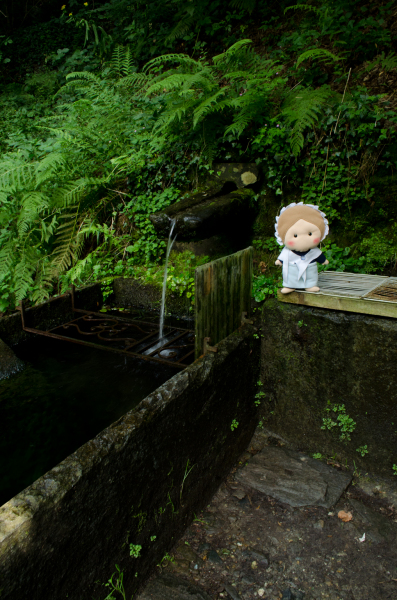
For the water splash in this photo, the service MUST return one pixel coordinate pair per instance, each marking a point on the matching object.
(169, 247)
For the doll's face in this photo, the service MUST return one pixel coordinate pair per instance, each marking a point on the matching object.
(302, 236)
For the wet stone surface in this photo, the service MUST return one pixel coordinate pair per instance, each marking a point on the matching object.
(248, 545)
(294, 478)
(9, 363)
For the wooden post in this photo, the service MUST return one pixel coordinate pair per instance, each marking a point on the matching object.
(223, 293)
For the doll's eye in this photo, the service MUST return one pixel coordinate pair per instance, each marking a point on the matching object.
(310, 233)
(295, 235)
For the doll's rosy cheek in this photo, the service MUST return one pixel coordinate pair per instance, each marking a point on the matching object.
(291, 243)
(316, 240)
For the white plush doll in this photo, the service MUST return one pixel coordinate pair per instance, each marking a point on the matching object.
(300, 228)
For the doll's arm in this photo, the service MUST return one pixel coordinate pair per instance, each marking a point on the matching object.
(278, 263)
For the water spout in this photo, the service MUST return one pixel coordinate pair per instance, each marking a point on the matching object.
(169, 246)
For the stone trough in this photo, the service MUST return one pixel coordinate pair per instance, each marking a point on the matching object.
(140, 481)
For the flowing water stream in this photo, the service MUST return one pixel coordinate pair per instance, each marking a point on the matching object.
(167, 254)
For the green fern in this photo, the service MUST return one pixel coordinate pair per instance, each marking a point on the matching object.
(301, 111)
(387, 63)
(308, 7)
(122, 62)
(240, 87)
(184, 24)
(247, 5)
(317, 54)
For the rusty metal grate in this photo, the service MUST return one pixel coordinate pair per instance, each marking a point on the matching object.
(386, 292)
(125, 336)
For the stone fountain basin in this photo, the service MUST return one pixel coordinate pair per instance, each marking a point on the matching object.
(205, 219)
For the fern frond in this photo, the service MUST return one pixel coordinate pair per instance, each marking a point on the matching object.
(301, 110)
(208, 106)
(182, 59)
(7, 257)
(135, 81)
(317, 53)
(68, 242)
(23, 272)
(33, 203)
(169, 83)
(232, 51)
(247, 5)
(16, 175)
(122, 62)
(308, 7)
(69, 194)
(48, 165)
(84, 79)
(182, 27)
(388, 63)
(44, 281)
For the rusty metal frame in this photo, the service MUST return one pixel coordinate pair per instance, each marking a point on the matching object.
(86, 316)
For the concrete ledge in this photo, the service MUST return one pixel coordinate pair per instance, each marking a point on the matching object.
(131, 483)
(312, 357)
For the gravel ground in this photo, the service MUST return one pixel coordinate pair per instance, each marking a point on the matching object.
(249, 545)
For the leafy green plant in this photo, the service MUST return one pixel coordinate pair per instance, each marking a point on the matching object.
(394, 469)
(234, 424)
(260, 395)
(168, 558)
(343, 421)
(264, 286)
(341, 259)
(363, 450)
(135, 550)
(239, 86)
(267, 245)
(116, 585)
(318, 456)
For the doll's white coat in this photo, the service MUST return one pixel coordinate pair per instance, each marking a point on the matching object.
(293, 279)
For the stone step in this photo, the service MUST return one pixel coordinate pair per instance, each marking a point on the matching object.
(294, 478)
(169, 587)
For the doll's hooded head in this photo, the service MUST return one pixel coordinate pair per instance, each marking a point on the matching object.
(293, 213)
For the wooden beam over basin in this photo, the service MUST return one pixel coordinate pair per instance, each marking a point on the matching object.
(351, 292)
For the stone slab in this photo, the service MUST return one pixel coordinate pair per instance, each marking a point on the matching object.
(294, 478)
(206, 219)
(169, 587)
(9, 363)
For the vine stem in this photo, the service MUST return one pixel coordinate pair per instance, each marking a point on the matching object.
(343, 97)
(325, 173)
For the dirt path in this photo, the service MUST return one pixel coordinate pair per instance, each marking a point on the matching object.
(250, 545)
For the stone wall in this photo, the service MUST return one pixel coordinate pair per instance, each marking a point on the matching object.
(313, 359)
(132, 292)
(139, 481)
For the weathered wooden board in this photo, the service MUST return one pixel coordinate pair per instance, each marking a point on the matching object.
(223, 293)
(334, 302)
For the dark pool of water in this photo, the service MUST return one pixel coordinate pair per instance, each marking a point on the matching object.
(64, 397)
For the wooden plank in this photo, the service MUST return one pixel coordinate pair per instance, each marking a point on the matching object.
(223, 292)
(358, 305)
